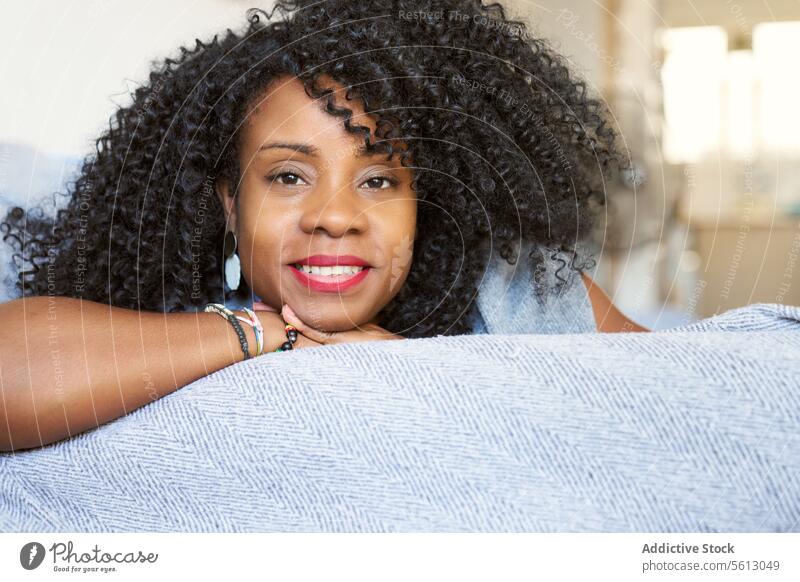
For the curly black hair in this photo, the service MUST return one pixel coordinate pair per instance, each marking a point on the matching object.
(506, 142)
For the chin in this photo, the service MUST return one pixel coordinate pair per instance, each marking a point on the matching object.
(331, 320)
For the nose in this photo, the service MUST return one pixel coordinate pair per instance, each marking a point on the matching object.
(333, 209)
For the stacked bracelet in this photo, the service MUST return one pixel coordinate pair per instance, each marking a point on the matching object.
(231, 317)
(252, 320)
(258, 329)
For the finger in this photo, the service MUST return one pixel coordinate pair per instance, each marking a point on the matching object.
(322, 337)
(304, 342)
(260, 306)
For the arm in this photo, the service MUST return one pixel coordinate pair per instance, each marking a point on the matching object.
(609, 319)
(68, 365)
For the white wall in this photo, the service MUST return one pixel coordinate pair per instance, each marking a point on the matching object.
(63, 64)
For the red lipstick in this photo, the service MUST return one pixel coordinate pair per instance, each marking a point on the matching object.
(330, 283)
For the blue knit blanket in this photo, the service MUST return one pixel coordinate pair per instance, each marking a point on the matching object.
(691, 429)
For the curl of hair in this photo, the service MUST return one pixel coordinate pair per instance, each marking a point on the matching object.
(506, 143)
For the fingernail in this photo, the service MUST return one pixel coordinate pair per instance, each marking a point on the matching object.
(287, 312)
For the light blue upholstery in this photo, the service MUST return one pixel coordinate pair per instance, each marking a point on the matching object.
(692, 429)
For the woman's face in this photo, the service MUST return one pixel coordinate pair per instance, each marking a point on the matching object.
(310, 200)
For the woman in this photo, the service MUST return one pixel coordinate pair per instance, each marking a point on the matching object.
(336, 166)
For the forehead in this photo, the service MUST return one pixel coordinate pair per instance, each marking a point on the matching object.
(284, 112)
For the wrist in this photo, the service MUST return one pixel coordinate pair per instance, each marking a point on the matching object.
(235, 321)
(276, 336)
(252, 347)
(254, 331)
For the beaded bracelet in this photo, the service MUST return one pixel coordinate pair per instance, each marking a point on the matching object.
(231, 317)
(291, 335)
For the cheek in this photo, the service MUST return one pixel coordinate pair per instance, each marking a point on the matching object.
(397, 217)
(405, 220)
(263, 233)
(396, 236)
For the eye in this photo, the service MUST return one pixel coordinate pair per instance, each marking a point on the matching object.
(285, 179)
(376, 181)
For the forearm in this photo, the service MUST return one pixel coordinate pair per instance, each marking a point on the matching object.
(68, 365)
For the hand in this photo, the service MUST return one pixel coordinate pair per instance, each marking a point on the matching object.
(275, 334)
(365, 333)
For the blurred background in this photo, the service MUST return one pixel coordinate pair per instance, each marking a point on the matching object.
(704, 95)
(702, 92)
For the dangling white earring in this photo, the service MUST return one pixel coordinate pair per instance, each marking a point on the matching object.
(233, 270)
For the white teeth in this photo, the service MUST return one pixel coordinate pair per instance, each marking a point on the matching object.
(329, 271)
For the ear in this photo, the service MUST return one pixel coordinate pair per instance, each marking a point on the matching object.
(228, 202)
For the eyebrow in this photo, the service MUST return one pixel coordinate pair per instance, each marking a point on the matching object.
(309, 150)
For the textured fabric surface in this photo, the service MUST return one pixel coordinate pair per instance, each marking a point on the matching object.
(693, 429)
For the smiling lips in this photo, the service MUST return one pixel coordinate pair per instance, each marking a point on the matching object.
(330, 274)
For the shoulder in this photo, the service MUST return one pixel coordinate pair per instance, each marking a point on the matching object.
(609, 319)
